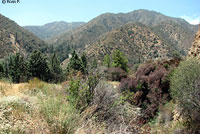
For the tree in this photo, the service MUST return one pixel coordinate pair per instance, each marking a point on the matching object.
(84, 63)
(119, 60)
(76, 63)
(16, 68)
(107, 60)
(55, 69)
(185, 84)
(1, 69)
(38, 66)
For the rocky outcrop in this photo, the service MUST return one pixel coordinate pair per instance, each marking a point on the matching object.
(195, 49)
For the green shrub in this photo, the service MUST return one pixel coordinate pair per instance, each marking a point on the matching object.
(80, 92)
(107, 60)
(60, 116)
(185, 89)
(185, 84)
(73, 92)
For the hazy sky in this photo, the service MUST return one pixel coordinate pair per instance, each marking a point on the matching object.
(39, 12)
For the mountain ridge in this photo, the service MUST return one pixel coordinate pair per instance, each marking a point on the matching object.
(138, 42)
(169, 28)
(51, 29)
(14, 38)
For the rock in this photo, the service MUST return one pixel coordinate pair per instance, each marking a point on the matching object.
(194, 50)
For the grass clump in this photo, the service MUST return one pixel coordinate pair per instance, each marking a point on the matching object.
(60, 116)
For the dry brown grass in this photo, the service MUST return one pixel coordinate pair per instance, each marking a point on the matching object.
(9, 89)
(19, 112)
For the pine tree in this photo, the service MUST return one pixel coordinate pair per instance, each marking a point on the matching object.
(119, 60)
(16, 68)
(55, 69)
(84, 63)
(1, 69)
(75, 62)
(38, 66)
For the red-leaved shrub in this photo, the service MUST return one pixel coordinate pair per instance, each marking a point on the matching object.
(150, 85)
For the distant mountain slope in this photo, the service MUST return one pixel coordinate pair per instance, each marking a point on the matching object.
(136, 41)
(52, 29)
(176, 35)
(14, 38)
(172, 30)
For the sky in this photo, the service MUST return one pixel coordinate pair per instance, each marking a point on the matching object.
(40, 12)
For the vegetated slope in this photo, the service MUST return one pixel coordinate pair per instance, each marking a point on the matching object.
(178, 36)
(195, 49)
(14, 38)
(52, 29)
(136, 41)
(171, 29)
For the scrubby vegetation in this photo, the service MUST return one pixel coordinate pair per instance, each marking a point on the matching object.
(110, 98)
(185, 84)
(81, 92)
(117, 66)
(185, 89)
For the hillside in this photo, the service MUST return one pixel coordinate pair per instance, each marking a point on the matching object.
(135, 40)
(52, 29)
(195, 49)
(172, 30)
(175, 34)
(14, 38)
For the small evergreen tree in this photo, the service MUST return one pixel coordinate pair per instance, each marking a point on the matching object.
(119, 60)
(77, 64)
(84, 63)
(107, 60)
(38, 66)
(16, 68)
(55, 69)
(1, 69)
